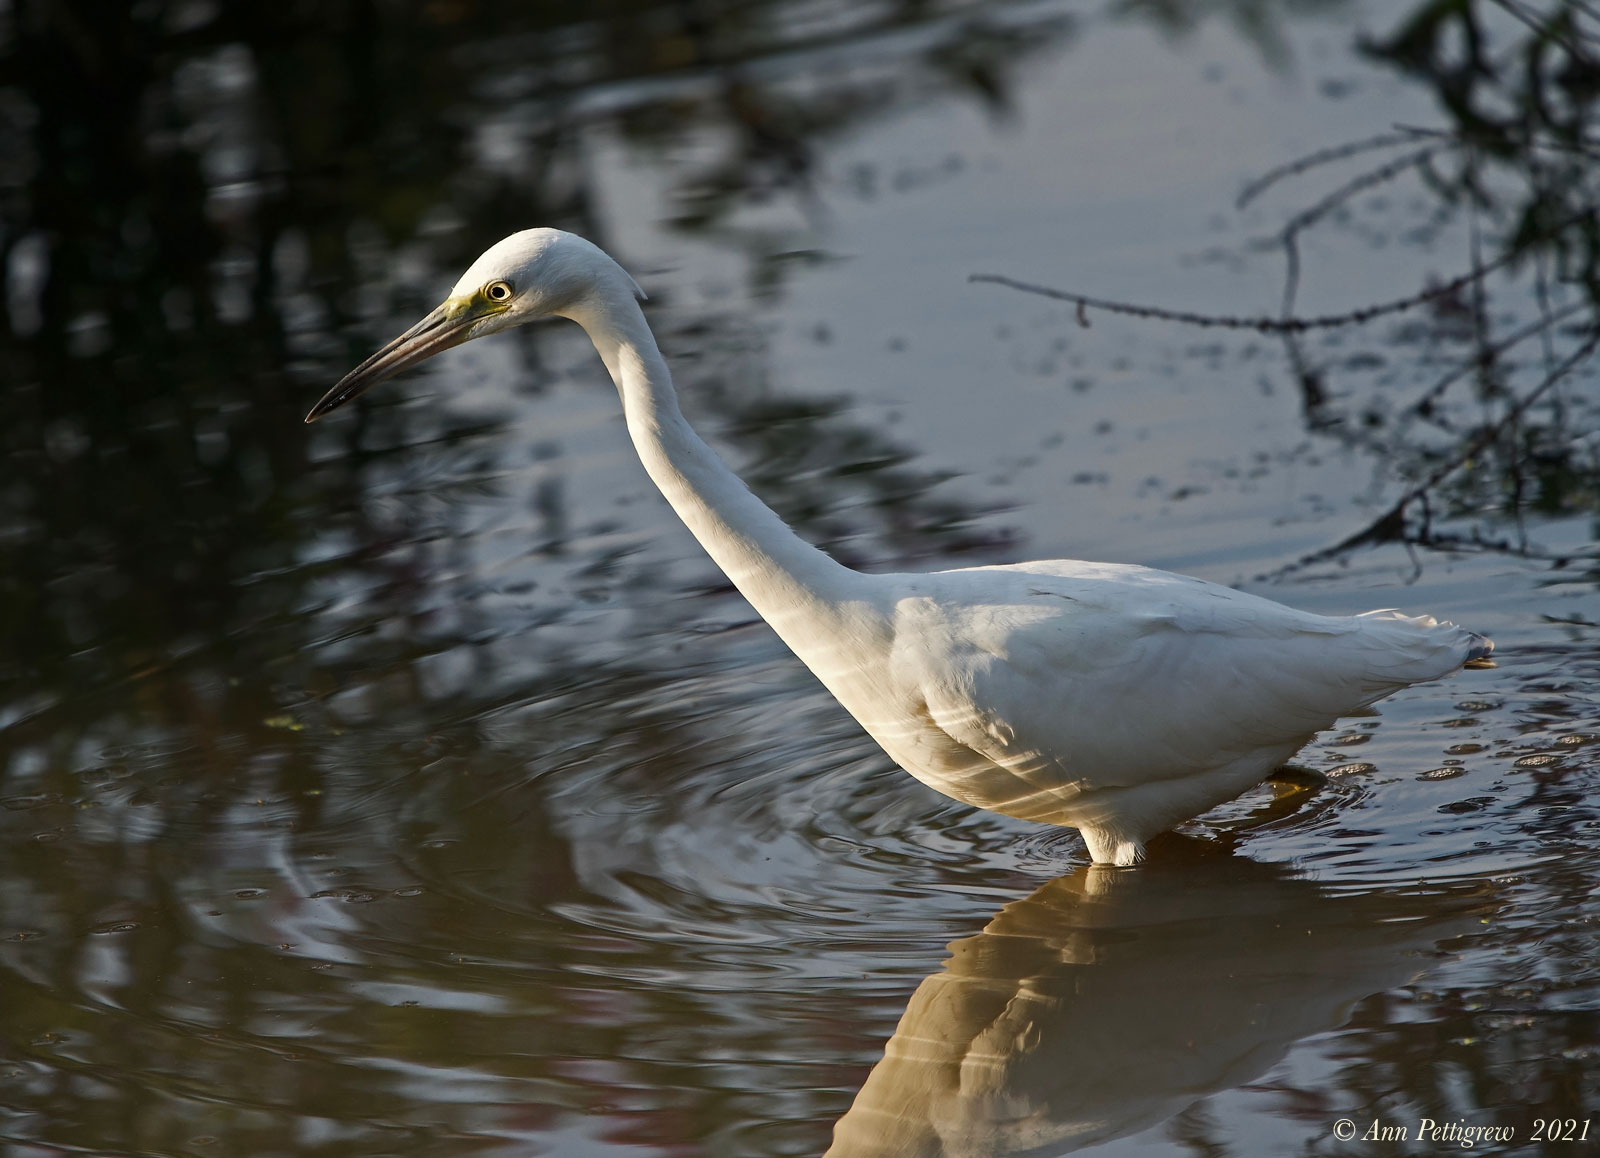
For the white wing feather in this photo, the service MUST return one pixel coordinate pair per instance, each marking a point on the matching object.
(1064, 682)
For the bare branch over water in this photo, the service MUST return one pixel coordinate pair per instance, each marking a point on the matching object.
(1261, 324)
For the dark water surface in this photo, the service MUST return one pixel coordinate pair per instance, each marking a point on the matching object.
(411, 784)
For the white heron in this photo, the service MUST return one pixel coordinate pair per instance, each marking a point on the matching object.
(1115, 699)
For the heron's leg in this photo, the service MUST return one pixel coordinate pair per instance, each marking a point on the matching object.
(1292, 786)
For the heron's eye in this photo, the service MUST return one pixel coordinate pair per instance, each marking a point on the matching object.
(498, 291)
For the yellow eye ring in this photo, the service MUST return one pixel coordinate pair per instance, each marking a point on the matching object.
(498, 291)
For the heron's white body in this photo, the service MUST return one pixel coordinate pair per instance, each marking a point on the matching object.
(1119, 700)
(1115, 699)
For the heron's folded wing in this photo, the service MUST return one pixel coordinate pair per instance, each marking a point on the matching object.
(1112, 688)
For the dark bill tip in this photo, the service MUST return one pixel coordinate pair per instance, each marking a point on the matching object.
(346, 389)
(438, 331)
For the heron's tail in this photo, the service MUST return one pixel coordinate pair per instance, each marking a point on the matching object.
(1479, 651)
(1417, 648)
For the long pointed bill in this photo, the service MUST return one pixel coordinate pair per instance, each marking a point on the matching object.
(447, 326)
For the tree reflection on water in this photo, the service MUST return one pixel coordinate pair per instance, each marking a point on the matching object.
(199, 207)
(1494, 435)
(245, 663)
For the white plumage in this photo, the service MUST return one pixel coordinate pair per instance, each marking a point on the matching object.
(1115, 699)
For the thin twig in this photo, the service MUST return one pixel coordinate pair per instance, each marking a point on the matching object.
(1539, 29)
(1542, 326)
(1490, 433)
(1312, 396)
(1311, 393)
(1476, 543)
(1584, 146)
(1291, 272)
(1391, 523)
(1311, 160)
(1262, 325)
(1387, 171)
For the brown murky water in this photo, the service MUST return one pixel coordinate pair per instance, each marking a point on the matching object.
(412, 785)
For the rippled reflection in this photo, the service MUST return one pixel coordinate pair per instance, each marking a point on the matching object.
(1110, 999)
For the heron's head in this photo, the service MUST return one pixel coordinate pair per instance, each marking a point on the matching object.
(533, 274)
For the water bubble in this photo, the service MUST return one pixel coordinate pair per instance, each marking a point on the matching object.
(410, 891)
(1349, 738)
(1538, 760)
(1476, 706)
(1463, 749)
(1351, 770)
(1446, 773)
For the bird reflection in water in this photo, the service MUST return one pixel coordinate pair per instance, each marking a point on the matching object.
(1110, 1000)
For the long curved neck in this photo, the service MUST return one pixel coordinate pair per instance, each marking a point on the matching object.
(788, 581)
